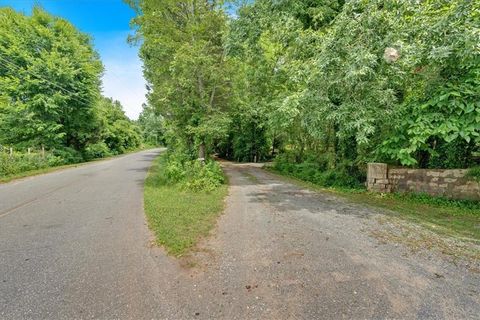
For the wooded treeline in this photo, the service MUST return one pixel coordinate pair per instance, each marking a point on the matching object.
(50, 94)
(327, 84)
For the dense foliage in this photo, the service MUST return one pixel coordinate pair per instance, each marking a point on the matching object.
(50, 94)
(151, 126)
(184, 63)
(17, 163)
(192, 174)
(326, 85)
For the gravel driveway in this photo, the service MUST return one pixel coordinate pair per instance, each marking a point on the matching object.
(282, 252)
(74, 245)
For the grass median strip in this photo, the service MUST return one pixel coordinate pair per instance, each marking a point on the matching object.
(179, 217)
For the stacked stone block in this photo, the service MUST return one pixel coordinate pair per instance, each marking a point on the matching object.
(377, 178)
(451, 183)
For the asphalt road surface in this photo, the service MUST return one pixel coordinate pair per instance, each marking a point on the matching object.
(74, 244)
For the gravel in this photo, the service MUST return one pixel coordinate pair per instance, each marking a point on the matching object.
(74, 244)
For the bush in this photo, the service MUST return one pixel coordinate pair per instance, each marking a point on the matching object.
(192, 174)
(336, 178)
(474, 173)
(203, 177)
(315, 170)
(96, 150)
(174, 171)
(53, 160)
(21, 162)
(68, 155)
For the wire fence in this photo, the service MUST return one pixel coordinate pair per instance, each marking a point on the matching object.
(12, 151)
(14, 161)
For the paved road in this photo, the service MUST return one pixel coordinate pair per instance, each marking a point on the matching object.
(74, 244)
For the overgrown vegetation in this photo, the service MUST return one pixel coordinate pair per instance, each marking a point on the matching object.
(50, 96)
(316, 169)
(192, 175)
(22, 162)
(474, 173)
(182, 204)
(325, 85)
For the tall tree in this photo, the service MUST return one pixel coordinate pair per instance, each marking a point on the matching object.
(185, 65)
(152, 125)
(49, 80)
(116, 130)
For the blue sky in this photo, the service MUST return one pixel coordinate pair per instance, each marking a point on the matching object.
(108, 23)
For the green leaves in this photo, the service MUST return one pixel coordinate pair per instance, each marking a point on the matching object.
(372, 80)
(49, 72)
(116, 131)
(50, 90)
(185, 65)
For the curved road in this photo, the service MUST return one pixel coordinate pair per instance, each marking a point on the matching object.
(74, 245)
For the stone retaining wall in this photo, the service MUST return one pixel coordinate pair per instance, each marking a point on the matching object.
(450, 183)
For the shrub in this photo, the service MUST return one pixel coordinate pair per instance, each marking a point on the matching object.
(68, 155)
(21, 162)
(54, 161)
(192, 174)
(174, 170)
(315, 169)
(337, 178)
(96, 150)
(474, 173)
(203, 177)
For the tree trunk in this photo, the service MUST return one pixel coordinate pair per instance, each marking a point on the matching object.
(201, 152)
(273, 145)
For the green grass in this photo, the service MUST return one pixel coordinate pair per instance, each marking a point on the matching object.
(179, 218)
(474, 173)
(458, 219)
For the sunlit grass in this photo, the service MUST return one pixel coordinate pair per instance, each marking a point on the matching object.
(178, 217)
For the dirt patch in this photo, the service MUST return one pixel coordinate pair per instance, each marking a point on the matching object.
(421, 240)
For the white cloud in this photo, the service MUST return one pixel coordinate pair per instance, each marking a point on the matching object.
(123, 81)
(123, 78)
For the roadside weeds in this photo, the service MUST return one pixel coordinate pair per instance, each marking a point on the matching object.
(37, 172)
